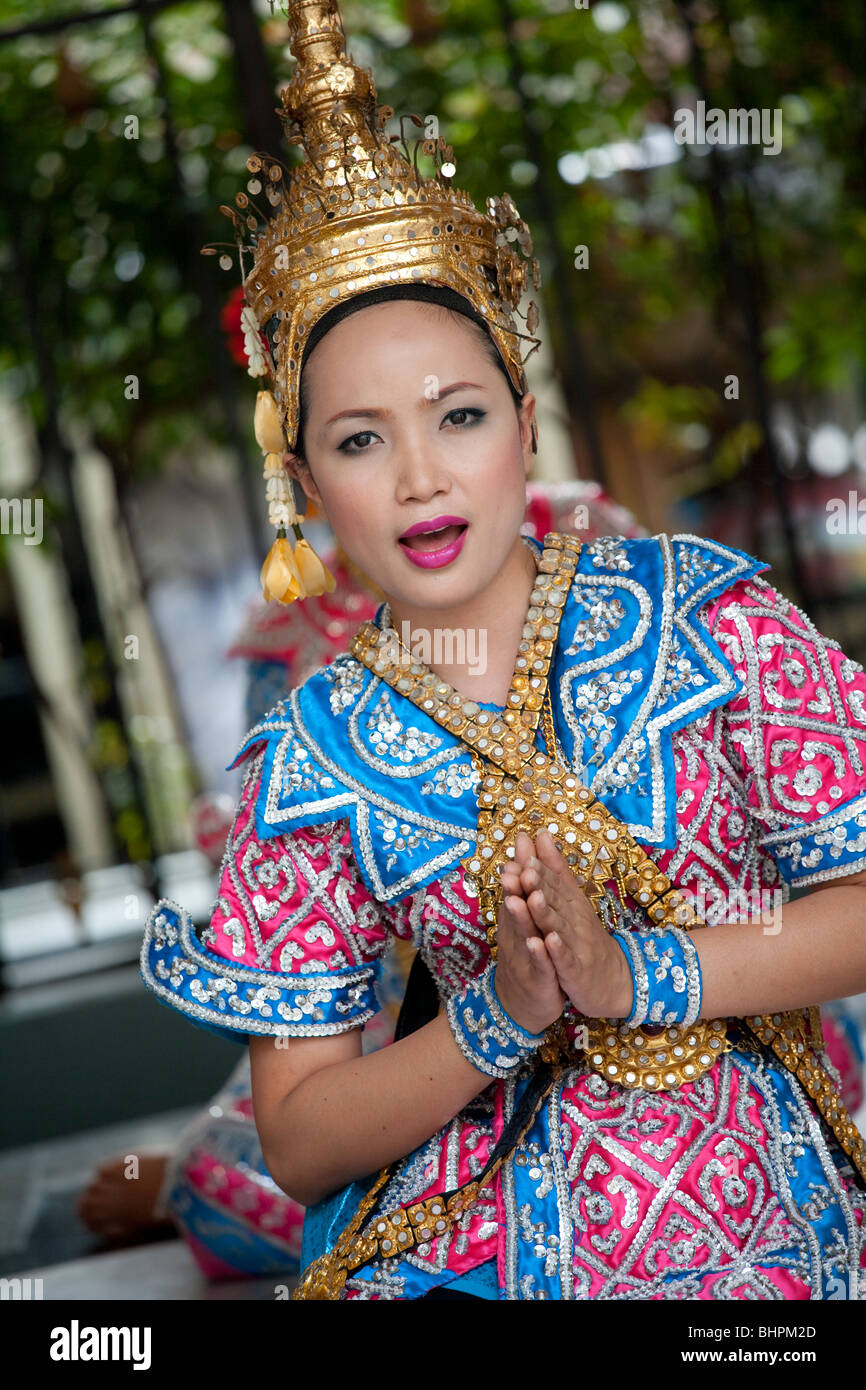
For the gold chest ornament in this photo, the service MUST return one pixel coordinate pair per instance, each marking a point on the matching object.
(522, 788)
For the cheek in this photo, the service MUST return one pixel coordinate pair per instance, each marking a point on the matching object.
(498, 463)
(349, 503)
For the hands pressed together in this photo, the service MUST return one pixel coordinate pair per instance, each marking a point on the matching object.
(551, 943)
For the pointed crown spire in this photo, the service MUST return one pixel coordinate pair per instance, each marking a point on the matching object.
(357, 213)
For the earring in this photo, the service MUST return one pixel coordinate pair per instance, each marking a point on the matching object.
(287, 574)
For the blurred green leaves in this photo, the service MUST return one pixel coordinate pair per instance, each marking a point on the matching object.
(99, 223)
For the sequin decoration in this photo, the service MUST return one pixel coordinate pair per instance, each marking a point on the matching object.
(609, 552)
(347, 678)
(389, 737)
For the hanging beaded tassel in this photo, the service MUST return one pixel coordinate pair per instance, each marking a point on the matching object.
(287, 574)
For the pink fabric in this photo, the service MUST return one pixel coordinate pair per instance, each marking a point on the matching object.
(224, 1186)
(680, 1233)
(321, 859)
(478, 1231)
(803, 726)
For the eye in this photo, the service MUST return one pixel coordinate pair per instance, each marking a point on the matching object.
(363, 434)
(470, 411)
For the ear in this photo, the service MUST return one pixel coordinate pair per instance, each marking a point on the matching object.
(300, 471)
(526, 419)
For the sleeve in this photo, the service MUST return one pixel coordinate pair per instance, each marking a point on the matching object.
(796, 733)
(293, 944)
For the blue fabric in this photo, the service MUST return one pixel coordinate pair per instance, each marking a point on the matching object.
(666, 974)
(622, 589)
(301, 785)
(485, 1033)
(836, 841)
(229, 999)
(324, 1222)
(483, 1282)
(808, 1183)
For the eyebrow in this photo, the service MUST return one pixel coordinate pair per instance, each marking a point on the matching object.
(372, 413)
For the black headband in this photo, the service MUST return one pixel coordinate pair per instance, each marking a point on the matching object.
(434, 294)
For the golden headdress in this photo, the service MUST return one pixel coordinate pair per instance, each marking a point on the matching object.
(356, 215)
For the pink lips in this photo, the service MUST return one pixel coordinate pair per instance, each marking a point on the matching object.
(435, 559)
(435, 525)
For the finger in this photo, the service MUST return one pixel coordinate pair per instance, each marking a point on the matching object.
(544, 914)
(529, 877)
(559, 894)
(513, 890)
(540, 958)
(563, 963)
(542, 894)
(535, 910)
(551, 858)
(520, 917)
(523, 848)
(509, 875)
(533, 874)
(560, 952)
(557, 869)
(556, 883)
(537, 874)
(558, 891)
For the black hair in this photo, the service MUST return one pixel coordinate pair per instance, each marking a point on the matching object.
(441, 296)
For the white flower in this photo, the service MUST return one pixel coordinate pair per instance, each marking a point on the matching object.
(280, 514)
(259, 360)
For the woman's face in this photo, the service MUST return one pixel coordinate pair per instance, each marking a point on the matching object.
(409, 420)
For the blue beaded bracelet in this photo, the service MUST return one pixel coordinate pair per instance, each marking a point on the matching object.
(486, 1035)
(666, 976)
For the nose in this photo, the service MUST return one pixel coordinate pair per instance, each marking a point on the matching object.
(422, 472)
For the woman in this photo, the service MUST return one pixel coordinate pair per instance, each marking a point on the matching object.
(602, 1107)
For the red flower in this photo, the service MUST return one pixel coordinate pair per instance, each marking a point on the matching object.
(230, 322)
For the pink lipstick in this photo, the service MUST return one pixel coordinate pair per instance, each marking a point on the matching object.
(432, 544)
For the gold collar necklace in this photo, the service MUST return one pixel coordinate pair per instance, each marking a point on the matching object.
(520, 787)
